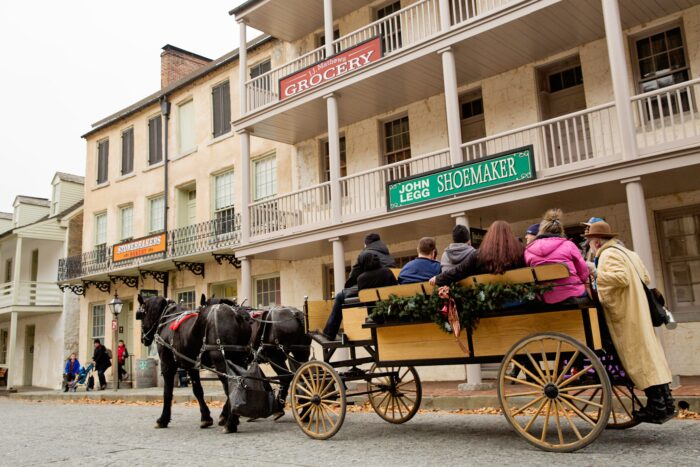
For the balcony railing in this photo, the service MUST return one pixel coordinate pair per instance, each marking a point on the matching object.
(306, 207)
(666, 116)
(398, 31)
(563, 143)
(205, 237)
(30, 293)
(365, 192)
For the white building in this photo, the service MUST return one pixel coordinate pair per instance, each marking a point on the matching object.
(32, 314)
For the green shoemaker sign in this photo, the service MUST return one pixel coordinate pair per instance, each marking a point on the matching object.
(501, 169)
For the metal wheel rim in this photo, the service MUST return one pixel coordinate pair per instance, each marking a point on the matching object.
(400, 406)
(565, 427)
(318, 400)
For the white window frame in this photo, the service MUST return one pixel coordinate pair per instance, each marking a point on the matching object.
(97, 230)
(122, 232)
(150, 200)
(258, 279)
(385, 153)
(254, 166)
(187, 291)
(94, 336)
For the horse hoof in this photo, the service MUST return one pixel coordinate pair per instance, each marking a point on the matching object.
(228, 430)
(278, 416)
(160, 425)
(206, 423)
(251, 420)
(222, 421)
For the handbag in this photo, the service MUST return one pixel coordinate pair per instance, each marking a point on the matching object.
(656, 301)
(251, 395)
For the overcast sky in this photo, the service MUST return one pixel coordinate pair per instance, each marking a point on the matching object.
(66, 64)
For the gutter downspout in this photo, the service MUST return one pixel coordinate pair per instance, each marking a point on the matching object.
(165, 111)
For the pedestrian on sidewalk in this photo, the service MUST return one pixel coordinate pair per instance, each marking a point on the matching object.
(122, 355)
(102, 361)
(71, 372)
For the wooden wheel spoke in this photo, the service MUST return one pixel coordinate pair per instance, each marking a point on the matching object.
(617, 396)
(386, 396)
(550, 377)
(546, 420)
(556, 413)
(518, 394)
(581, 388)
(527, 406)
(329, 394)
(567, 367)
(311, 417)
(317, 417)
(323, 420)
(537, 367)
(330, 414)
(572, 424)
(331, 402)
(585, 402)
(401, 401)
(576, 376)
(398, 406)
(521, 381)
(308, 385)
(577, 411)
(301, 406)
(528, 372)
(534, 417)
(557, 358)
(308, 393)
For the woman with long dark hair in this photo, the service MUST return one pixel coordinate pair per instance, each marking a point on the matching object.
(500, 251)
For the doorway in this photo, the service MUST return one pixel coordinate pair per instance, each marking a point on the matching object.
(28, 354)
(125, 330)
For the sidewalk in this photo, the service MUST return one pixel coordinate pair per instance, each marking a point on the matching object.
(442, 395)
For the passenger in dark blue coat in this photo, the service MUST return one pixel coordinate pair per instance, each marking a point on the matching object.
(424, 267)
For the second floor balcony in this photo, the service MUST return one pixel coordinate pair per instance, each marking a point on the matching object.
(30, 294)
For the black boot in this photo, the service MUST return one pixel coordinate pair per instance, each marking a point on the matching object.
(669, 401)
(655, 410)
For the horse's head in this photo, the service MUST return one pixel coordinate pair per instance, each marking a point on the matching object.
(150, 312)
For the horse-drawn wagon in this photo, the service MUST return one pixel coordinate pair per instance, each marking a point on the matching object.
(559, 382)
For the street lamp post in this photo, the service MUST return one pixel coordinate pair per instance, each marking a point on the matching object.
(116, 306)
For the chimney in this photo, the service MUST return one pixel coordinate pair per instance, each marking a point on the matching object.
(176, 63)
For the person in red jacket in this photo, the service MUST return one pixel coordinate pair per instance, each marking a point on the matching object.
(122, 355)
(551, 246)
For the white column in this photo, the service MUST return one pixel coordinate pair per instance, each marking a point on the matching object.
(328, 26)
(246, 292)
(245, 186)
(334, 156)
(242, 66)
(338, 263)
(639, 223)
(16, 270)
(444, 6)
(11, 352)
(454, 129)
(620, 77)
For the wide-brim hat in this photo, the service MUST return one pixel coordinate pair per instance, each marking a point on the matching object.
(601, 230)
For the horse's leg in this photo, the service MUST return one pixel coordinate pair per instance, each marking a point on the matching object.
(301, 356)
(206, 420)
(223, 418)
(279, 364)
(169, 371)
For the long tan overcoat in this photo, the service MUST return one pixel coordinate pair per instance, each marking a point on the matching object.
(627, 314)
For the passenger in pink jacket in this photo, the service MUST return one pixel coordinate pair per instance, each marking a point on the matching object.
(549, 247)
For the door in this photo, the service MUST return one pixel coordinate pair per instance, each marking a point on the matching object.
(225, 290)
(28, 355)
(191, 207)
(125, 324)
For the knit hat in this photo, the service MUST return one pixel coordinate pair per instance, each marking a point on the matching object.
(371, 238)
(601, 230)
(533, 229)
(593, 220)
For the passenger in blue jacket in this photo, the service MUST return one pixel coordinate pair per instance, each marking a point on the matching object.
(71, 372)
(424, 267)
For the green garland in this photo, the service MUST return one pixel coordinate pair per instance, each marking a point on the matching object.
(472, 302)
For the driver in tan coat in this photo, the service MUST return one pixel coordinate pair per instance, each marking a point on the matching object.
(619, 275)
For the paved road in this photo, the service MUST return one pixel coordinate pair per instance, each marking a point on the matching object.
(41, 433)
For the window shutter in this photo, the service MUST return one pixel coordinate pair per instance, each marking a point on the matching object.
(216, 110)
(226, 107)
(102, 161)
(128, 151)
(155, 153)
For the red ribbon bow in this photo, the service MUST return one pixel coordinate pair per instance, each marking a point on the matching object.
(449, 310)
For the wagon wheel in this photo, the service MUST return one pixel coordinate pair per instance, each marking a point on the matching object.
(624, 401)
(543, 408)
(395, 398)
(318, 400)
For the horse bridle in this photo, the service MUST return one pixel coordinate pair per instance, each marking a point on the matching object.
(150, 334)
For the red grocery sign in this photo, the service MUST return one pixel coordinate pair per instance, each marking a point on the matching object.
(359, 56)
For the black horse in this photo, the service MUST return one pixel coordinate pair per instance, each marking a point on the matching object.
(277, 333)
(218, 333)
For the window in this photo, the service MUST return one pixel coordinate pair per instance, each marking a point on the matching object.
(8, 270)
(221, 108)
(330, 280)
(223, 202)
(390, 31)
(661, 62)
(327, 160)
(186, 140)
(473, 126)
(186, 299)
(267, 292)
(397, 140)
(127, 151)
(100, 229)
(156, 214)
(98, 322)
(265, 171)
(3, 346)
(155, 140)
(54, 199)
(224, 290)
(260, 69)
(321, 38)
(126, 222)
(102, 160)
(565, 79)
(472, 108)
(679, 238)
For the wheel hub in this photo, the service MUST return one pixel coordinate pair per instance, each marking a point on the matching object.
(551, 391)
(316, 400)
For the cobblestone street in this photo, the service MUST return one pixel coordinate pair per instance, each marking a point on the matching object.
(100, 434)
